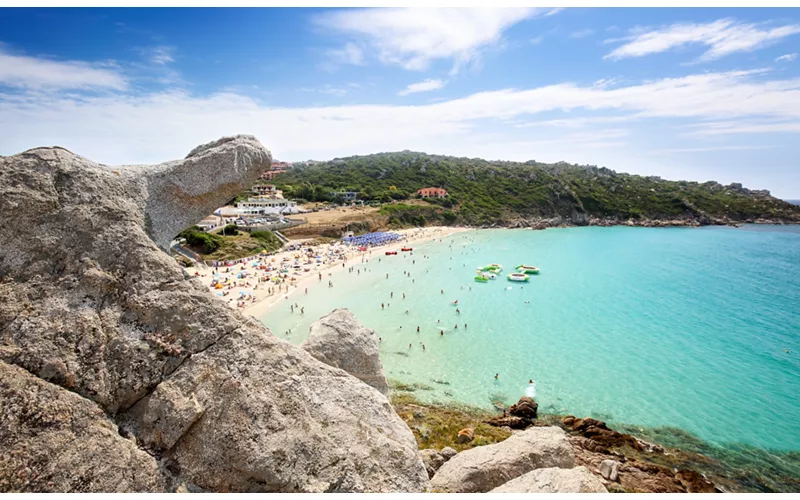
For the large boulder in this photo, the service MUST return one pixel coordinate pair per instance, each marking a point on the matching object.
(90, 302)
(484, 468)
(56, 441)
(339, 340)
(554, 480)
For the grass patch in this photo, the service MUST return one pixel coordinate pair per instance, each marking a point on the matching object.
(437, 426)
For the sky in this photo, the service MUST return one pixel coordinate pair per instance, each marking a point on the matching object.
(695, 94)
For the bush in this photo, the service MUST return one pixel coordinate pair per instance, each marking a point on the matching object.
(230, 230)
(207, 243)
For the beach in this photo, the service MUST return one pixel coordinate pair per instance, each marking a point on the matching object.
(255, 297)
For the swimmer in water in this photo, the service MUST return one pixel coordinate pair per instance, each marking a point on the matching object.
(497, 376)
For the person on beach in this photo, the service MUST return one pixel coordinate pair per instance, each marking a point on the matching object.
(302, 310)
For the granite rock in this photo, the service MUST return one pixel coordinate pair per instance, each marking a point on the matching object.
(554, 480)
(484, 468)
(339, 340)
(90, 302)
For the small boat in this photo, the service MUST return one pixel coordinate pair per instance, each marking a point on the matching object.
(407, 249)
(494, 268)
(527, 269)
(481, 279)
(391, 253)
(518, 277)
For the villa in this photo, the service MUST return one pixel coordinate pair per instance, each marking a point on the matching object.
(432, 192)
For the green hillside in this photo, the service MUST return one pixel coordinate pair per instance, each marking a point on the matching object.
(497, 192)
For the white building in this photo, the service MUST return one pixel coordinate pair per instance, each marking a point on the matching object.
(266, 206)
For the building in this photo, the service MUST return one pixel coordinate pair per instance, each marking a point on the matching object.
(211, 222)
(266, 206)
(264, 190)
(277, 167)
(432, 193)
(344, 195)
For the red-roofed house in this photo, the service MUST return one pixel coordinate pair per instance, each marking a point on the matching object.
(432, 193)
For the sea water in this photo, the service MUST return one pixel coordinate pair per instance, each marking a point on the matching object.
(690, 328)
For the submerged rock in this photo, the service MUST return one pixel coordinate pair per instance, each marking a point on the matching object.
(554, 480)
(339, 340)
(484, 468)
(91, 303)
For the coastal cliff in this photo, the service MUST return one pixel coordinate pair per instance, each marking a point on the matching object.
(119, 373)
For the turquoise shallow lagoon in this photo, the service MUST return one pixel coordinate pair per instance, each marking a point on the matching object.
(679, 327)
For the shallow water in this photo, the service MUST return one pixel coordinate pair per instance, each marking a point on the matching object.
(654, 327)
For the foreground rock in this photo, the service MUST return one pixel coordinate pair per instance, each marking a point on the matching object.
(554, 480)
(54, 440)
(90, 303)
(484, 468)
(339, 340)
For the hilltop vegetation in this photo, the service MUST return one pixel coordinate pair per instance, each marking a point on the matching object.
(497, 192)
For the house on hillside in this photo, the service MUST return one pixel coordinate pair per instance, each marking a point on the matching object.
(432, 193)
(344, 195)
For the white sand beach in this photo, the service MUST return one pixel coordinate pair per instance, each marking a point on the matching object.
(255, 286)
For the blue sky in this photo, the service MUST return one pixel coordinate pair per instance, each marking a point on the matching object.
(694, 94)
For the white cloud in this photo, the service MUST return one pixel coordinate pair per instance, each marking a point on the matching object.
(423, 86)
(414, 38)
(709, 149)
(349, 54)
(142, 128)
(722, 37)
(746, 127)
(161, 55)
(786, 57)
(582, 33)
(39, 73)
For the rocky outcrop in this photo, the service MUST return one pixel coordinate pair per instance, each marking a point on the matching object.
(520, 416)
(339, 340)
(56, 441)
(554, 480)
(602, 436)
(90, 303)
(433, 460)
(484, 468)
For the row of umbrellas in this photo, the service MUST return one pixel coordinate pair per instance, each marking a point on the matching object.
(372, 239)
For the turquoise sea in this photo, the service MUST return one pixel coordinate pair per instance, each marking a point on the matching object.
(689, 328)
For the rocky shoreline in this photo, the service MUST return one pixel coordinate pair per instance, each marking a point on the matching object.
(579, 221)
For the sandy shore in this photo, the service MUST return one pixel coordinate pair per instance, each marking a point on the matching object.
(260, 296)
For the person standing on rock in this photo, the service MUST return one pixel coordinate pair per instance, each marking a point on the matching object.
(530, 391)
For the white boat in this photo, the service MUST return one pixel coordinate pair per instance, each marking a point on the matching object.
(518, 277)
